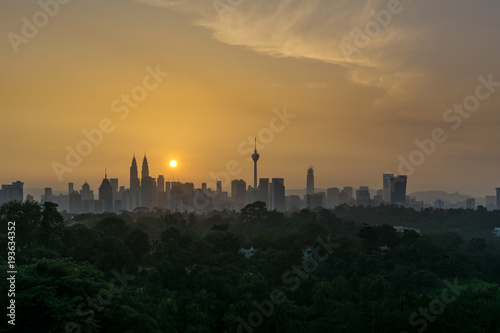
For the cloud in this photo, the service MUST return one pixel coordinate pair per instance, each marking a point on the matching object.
(398, 49)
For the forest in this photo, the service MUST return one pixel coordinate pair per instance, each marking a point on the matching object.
(341, 270)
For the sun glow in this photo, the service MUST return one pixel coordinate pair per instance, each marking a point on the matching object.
(173, 163)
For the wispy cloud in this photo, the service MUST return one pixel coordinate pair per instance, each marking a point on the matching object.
(314, 30)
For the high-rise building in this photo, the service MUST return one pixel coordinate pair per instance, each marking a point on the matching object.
(263, 193)
(315, 200)
(387, 183)
(70, 188)
(498, 197)
(87, 197)
(470, 203)
(332, 197)
(255, 158)
(343, 197)
(145, 168)
(239, 193)
(75, 202)
(86, 193)
(134, 175)
(350, 195)
(310, 180)
(148, 192)
(491, 202)
(47, 195)
(160, 186)
(106, 194)
(114, 184)
(398, 190)
(13, 192)
(278, 194)
(363, 196)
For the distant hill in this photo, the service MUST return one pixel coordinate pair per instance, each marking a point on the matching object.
(429, 197)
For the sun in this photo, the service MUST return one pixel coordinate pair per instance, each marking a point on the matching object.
(173, 163)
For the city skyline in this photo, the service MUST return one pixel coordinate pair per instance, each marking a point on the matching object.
(196, 83)
(230, 193)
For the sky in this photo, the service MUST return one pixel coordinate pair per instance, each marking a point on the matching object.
(355, 88)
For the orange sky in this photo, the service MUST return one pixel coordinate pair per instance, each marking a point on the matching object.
(228, 71)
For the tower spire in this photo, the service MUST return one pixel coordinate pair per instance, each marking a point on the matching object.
(255, 158)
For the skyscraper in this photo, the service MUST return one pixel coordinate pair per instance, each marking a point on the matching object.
(160, 186)
(145, 167)
(239, 193)
(332, 197)
(255, 158)
(106, 194)
(263, 194)
(278, 194)
(398, 190)
(134, 175)
(11, 192)
(498, 197)
(47, 195)
(386, 181)
(148, 192)
(310, 181)
(363, 196)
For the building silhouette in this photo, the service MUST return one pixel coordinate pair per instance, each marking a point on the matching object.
(398, 190)
(363, 196)
(255, 158)
(332, 197)
(315, 200)
(239, 193)
(132, 197)
(145, 167)
(470, 203)
(47, 195)
(148, 186)
(134, 175)
(12, 192)
(310, 181)
(75, 202)
(263, 193)
(387, 185)
(106, 194)
(278, 194)
(498, 197)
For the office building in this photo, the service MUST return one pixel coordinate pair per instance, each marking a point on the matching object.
(498, 197)
(363, 196)
(387, 183)
(238, 193)
(278, 194)
(12, 192)
(332, 197)
(398, 190)
(106, 195)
